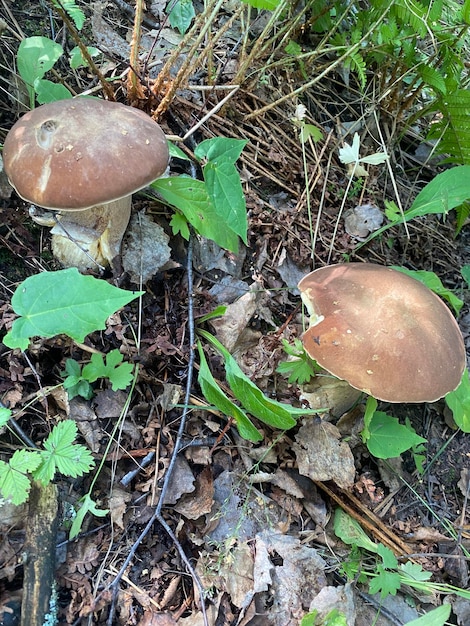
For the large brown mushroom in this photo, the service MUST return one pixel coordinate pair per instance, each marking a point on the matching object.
(383, 332)
(84, 157)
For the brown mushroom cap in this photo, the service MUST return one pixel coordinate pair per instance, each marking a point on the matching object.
(75, 154)
(384, 332)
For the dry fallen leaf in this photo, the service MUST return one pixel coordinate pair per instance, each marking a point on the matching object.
(321, 455)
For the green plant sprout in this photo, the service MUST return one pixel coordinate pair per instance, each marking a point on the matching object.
(333, 618)
(77, 381)
(219, 198)
(35, 57)
(275, 414)
(300, 368)
(386, 576)
(58, 454)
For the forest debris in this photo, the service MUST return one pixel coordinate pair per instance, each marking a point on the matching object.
(145, 250)
(321, 455)
(117, 505)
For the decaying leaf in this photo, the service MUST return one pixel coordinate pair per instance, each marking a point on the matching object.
(321, 455)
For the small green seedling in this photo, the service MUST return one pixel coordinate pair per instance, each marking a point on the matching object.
(78, 380)
(387, 576)
(300, 368)
(58, 455)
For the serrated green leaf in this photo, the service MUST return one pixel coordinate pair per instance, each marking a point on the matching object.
(63, 302)
(61, 454)
(388, 438)
(385, 582)
(414, 571)
(14, 482)
(118, 373)
(76, 59)
(179, 225)
(435, 617)
(214, 394)
(389, 560)
(270, 5)
(458, 402)
(192, 199)
(433, 282)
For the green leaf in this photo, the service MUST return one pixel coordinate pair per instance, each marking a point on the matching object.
(214, 394)
(119, 373)
(269, 411)
(220, 149)
(435, 617)
(14, 482)
(61, 454)
(458, 402)
(445, 192)
(47, 91)
(351, 532)
(36, 56)
(335, 618)
(192, 199)
(5, 415)
(179, 224)
(181, 15)
(389, 560)
(371, 407)
(414, 572)
(74, 11)
(434, 283)
(385, 582)
(465, 271)
(88, 506)
(76, 58)
(63, 302)
(225, 191)
(388, 438)
(270, 5)
(177, 152)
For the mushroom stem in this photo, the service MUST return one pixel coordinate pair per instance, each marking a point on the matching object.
(93, 236)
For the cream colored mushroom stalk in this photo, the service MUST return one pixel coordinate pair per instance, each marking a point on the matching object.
(84, 158)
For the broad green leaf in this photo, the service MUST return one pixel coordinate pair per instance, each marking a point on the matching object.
(47, 91)
(435, 617)
(177, 152)
(225, 191)
(219, 149)
(192, 199)
(434, 283)
(458, 402)
(465, 271)
(5, 415)
(351, 532)
(63, 302)
(214, 394)
(270, 5)
(445, 192)
(181, 15)
(388, 438)
(251, 397)
(88, 506)
(36, 56)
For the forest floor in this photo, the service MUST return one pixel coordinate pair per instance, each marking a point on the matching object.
(258, 532)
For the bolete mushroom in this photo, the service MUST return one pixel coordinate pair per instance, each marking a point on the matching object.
(84, 157)
(383, 332)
